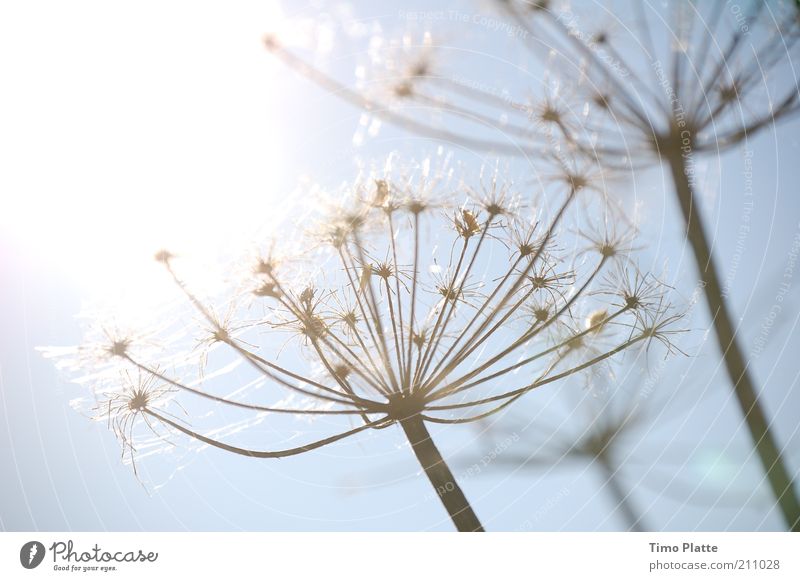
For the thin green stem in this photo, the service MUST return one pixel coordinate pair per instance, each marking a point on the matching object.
(413, 308)
(736, 364)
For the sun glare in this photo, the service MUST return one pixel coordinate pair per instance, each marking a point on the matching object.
(127, 139)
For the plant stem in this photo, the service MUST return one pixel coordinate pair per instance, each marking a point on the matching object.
(440, 476)
(621, 498)
(735, 362)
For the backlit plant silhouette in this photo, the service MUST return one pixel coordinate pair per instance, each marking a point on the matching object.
(630, 84)
(414, 302)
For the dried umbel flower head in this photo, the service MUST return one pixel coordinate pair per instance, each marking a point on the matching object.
(705, 75)
(414, 318)
(127, 411)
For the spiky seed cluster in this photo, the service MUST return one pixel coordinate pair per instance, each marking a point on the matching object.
(128, 408)
(119, 347)
(467, 224)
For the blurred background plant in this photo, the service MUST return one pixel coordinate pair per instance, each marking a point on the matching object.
(629, 85)
(626, 433)
(610, 422)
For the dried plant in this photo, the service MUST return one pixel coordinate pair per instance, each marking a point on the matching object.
(410, 311)
(670, 83)
(607, 427)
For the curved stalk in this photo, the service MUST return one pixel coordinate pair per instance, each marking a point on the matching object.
(260, 453)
